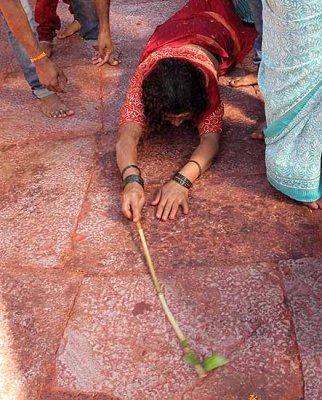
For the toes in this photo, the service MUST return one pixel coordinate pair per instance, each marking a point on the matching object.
(313, 205)
(235, 82)
(257, 135)
(319, 203)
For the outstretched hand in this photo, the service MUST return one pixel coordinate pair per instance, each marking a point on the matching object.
(133, 200)
(169, 198)
(107, 53)
(50, 75)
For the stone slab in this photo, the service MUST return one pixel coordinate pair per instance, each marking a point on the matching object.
(42, 190)
(119, 342)
(303, 284)
(34, 309)
(59, 395)
(232, 220)
(103, 242)
(22, 121)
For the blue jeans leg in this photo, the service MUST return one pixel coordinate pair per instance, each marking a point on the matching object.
(257, 9)
(26, 65)
(85, 13)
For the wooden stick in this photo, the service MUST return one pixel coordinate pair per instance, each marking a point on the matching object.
(183, 341)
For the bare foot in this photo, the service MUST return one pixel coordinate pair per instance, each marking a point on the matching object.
(70, 30)
(258, 132)
(314, 205)
(247, 80)
(47, 47)
(52, 106)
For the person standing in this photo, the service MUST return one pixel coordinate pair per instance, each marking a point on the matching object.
(44, 77)
(290, 79)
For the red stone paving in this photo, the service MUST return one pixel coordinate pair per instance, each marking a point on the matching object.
(35, 308)
(118, 340)
(43, 187)
(303, 282)
(79, 319)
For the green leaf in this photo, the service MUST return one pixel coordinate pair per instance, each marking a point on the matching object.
(191, 358)
(214, 361)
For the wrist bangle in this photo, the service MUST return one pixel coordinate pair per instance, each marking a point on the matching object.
(133, 178)
(198, 165)
(182, 180)
(128, 167)
(38, 58)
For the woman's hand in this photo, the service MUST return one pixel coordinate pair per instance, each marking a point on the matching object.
(169, 198)
(133, 200)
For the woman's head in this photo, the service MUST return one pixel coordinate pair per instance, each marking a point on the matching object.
(173, 92)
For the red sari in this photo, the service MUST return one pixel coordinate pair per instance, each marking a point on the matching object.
(210, 24)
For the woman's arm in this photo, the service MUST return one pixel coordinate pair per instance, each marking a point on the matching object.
(172, 195)
(133, 198)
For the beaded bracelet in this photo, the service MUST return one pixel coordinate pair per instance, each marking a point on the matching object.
(198, 165)
(182, 180)
(133, 178)
(128, 167)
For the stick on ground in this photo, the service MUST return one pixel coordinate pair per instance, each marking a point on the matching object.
(191, 357)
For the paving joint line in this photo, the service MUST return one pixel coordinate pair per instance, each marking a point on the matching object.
(69, 250)
(52, 365)
(292, 325)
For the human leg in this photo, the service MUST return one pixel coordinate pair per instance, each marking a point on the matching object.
(72, 27)
(257, 11)
(47, 19)
(251, 79)
(86, 14)
(50, 103)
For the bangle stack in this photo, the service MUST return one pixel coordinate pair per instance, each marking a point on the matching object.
(133, 178)
(182, 180)
(128, 167)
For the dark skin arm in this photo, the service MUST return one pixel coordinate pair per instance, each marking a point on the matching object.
(107, 53)
(50, 75)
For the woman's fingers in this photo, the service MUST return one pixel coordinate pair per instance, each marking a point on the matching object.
(157, 198)
(126, 208)
(185, 207)
(136, 211)
(161, 207)
(132, 203)
(174, 210)
(166, 210)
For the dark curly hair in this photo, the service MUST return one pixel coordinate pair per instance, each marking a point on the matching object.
(173, 86)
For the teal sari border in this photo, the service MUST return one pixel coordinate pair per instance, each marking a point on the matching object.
(277, 127)
(302, 195)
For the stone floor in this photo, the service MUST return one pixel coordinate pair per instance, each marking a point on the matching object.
(78, 315)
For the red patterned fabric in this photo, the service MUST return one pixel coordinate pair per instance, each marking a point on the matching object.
(210, 24)
(210, 121)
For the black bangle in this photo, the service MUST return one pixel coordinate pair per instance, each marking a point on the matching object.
(182, 180)
(128, 167)
(133, 178)
(198, 165)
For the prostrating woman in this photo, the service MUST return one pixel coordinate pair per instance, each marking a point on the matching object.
(177, 80)
(290, 80)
